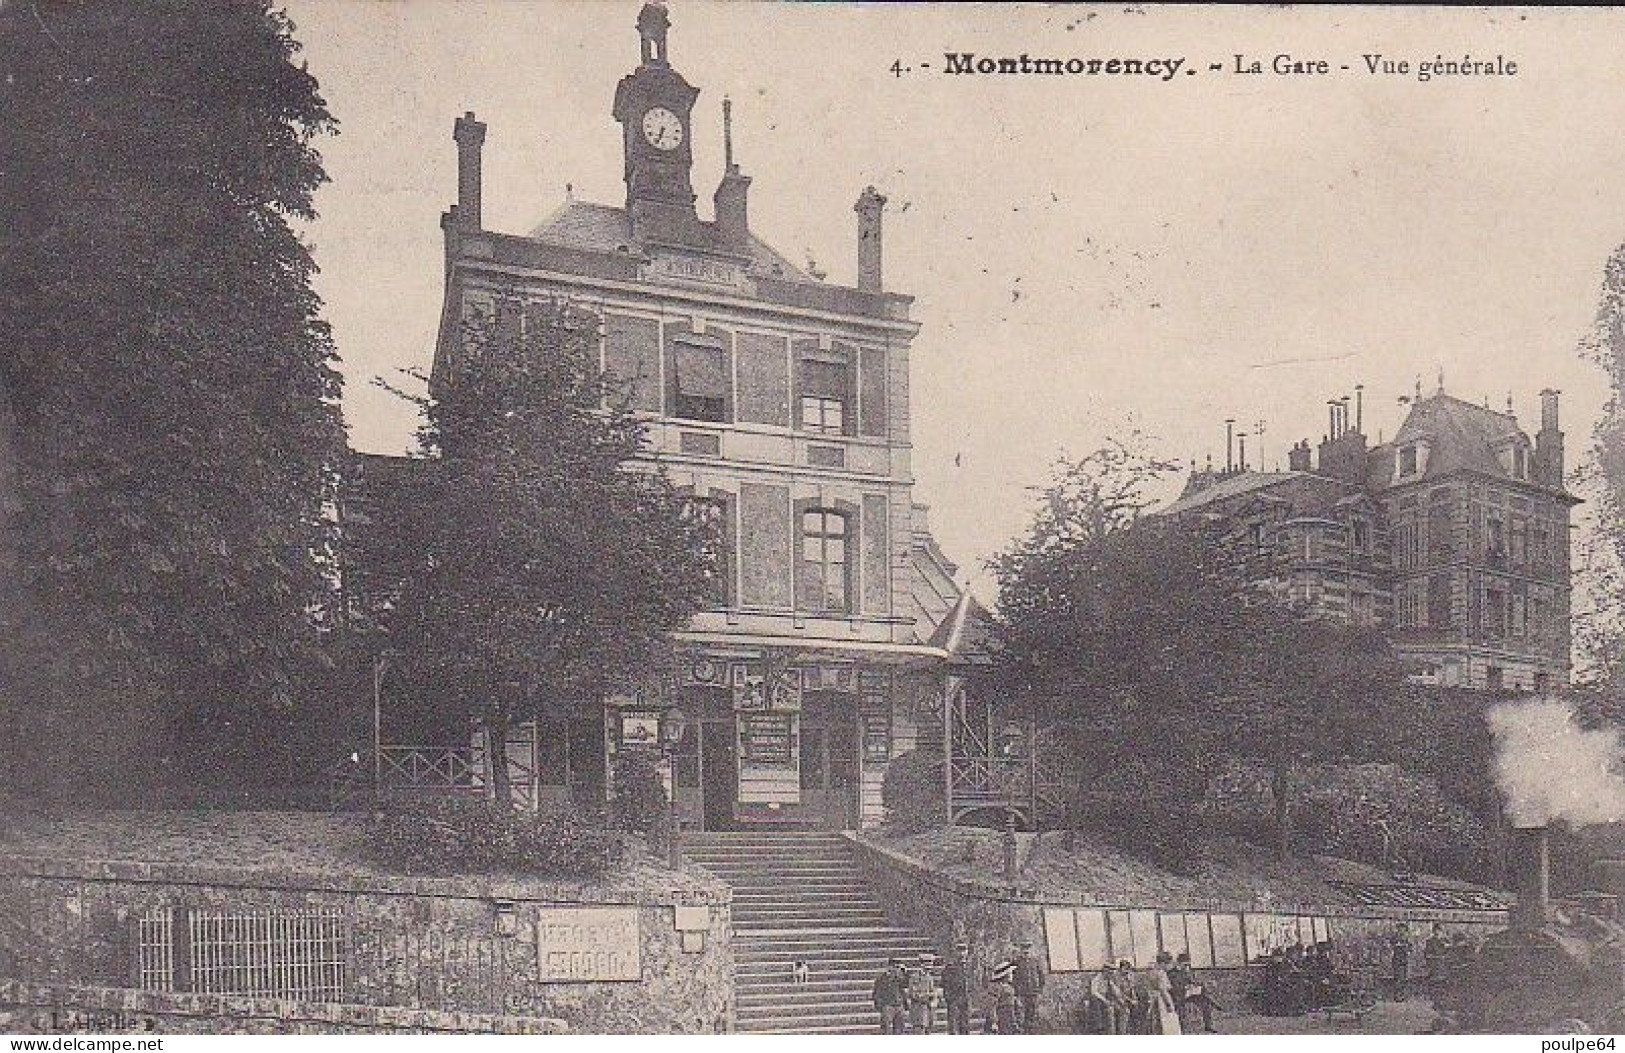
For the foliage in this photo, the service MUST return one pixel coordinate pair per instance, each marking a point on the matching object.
(541, 564)
(1374, 813)
(171, 397)
(912, 792)
(465, 835)
(1168, 834)
(1141, 637)
(1601, 636)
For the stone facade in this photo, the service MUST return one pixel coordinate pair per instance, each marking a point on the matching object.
(1454, 537)
(437, 945)
(780, 402)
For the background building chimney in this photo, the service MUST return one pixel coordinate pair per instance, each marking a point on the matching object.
(470, 136)
(1297, 459)
(869, 208)
(1549, 442)
(1531, 878)
(733, 217)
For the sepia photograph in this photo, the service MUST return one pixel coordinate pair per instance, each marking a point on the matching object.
(601, 517)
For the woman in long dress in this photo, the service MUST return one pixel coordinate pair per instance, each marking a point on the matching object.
(1164, 1016)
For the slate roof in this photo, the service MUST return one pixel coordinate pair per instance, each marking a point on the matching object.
(605, 228)
(1464, 436)
(1227, 487)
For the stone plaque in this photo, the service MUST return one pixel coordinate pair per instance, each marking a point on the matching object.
(588, 943)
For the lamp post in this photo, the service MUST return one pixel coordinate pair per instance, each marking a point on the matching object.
(673, 724)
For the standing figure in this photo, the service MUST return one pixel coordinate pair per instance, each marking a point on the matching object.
(1400, 952)
(1162, 1017)
(1135, 996)
(956, 989)
(891, 997)
(1108, 1005)
(1029, 983)
(923, 995)
(1190, 994)
(1001, 990)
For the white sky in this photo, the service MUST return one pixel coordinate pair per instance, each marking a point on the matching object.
(1081, 248)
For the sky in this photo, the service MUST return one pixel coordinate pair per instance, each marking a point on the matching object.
(1088, 253)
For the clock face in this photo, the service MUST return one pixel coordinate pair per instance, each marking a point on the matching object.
(663, 129)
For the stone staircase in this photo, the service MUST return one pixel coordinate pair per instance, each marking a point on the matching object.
(800, 896)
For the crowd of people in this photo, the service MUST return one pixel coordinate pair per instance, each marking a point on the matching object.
(1165, 998)
(1168, 997)
(909, 996)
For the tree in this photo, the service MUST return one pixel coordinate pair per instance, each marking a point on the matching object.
(1144, 636)
(175, 419)
(545, 564)
(1599, 634)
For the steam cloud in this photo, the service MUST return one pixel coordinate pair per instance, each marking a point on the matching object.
(1549, 768)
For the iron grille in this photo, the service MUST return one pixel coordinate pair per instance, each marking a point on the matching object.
(296, 954)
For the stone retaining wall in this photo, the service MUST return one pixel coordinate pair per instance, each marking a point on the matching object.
(991, 917)
(448, 946)
(46, 1009)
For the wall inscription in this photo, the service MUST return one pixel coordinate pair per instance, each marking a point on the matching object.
(588, 943)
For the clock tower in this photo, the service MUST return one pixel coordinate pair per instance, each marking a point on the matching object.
(654, 105)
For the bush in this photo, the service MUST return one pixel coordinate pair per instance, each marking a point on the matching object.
(462, 835)
(1143, 825)
(1380, 814)
(912, 792)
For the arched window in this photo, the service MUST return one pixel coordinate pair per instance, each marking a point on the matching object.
(825, 560)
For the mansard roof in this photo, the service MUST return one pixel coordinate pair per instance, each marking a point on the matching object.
(606, 228)
(1462, 436)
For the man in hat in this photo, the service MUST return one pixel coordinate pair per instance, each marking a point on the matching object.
(891, 997)
(956, 980)
(1136, 999)
(1108, 1005)
(1029, 983)
(923, 995)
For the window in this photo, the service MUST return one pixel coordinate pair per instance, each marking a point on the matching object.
(1520, 463)
(824, 560)
(1410, 544)
(1311, 545)
(701, 382)
(1495, 541)
(1360, 536)
(824, 387)
(1407, 460)
(715, 515)
(1440, 545)
(1495, 612)
(1439, 606)
(1494, 678)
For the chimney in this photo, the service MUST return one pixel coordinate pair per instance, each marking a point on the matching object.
(1297, 459)
(869, 208)
(1549, 441)
(1229, 446)
(1531, 878)
(1359, 408)
(1241, 451)
(732, 215)
(470, 136)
